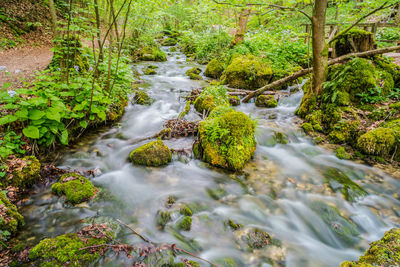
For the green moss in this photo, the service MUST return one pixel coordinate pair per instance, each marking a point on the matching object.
(307, 127)
(344, 132)
(384, 252)
(142, 98)
(163, 217)
(234, 100)
(227, 141)
(345, 41)
(342, 154)
(331, 115)
(151, 54)
(308, 103)
(184, 223)
(155, 153)
(389, 67)
(211, 97)
(193, 73)
(257, 239)
(281, 138)
(379, 142)
(67, 250)
(75, 187)
(12, 219)
(216, 193)
(169, 42)
(343, 228)
(27, 174)
(214, 69)
(339, 181)
(185, 110)
(226, 262)
(247, 72)
(185, 210)
(267, 101)
(150, 71)
(395, 106)
(234, 226)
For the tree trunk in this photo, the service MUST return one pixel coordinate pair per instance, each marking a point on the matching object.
(53, 17)
(98, 28)
(241, 31)
(320, 48)
(398, 14)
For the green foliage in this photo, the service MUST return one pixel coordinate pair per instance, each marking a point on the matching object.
(10, 220)
(10, 143)
(211, 97)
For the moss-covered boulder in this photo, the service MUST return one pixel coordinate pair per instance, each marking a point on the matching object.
(155, 154)
(184, 223)
(266, 101)
(234, 100)
(378, 142)
(72, 249)
(75, 187)
(150, 71)
(214, 69)
(355, 40)
(210, 98)
(10, 219)
(247, 72)
(151, 54)
(226, 138)
(25, 172)
(169, 41)
(193, 73)
(384, 252)
(142, 98)
(163, 217)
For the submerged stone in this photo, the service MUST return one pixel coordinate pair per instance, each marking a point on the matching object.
(384, 252)
(10, 219)
(142, 98)
(257, 239)
(193, 73)
(184, 224)
(227, 139)
(247, 72)
(266, 101)
(214, 69)
(155, 154)
(163, 217)
(75, 187)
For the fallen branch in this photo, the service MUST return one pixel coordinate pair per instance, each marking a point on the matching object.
(135, 232)
(303, 72)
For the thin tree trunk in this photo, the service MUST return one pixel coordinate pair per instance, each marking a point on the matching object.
(53, 17)
(320, 48)
(98, 26)
(241, 31)
(398, 14)
(303, 72)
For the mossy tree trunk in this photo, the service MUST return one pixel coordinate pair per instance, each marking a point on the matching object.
(320, 47)
(353, 43)
(53, 17)
(241, 31)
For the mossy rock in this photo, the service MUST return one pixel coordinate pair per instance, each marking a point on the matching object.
(185, 210)
(67, 250)
(193, 73)
(247, 72)
(266, 101)
(378, 142)
(169, 42)
(227, 138)
(344, 132)
(384, 252)
(257, 239)
(155, 154)
(150, 71)
(342, 154)
(210, 98)
(163, 217)
(184, 223)
(10, 219)
(151, 54)
(142, 98)
(307, 127)
(214, 69)
(355, 40)
(27, 174)
(75, 187)
(234, 100)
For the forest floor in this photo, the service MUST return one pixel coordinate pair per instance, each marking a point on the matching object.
(20, 64)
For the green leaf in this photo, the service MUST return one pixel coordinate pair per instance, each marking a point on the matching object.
(52, 114)
(36, 114)
(31, 132)
(102, 115)
(7, 119)
(83, 124)
(64, 137)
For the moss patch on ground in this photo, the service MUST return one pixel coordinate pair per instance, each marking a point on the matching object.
(10, 219)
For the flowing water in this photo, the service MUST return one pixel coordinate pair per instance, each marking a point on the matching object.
(321, 209)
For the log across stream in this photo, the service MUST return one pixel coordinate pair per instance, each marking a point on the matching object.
(319, 209)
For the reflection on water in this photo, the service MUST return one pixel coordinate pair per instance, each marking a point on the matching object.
(321, 209)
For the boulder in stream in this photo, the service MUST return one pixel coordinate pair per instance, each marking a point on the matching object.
(384, 252)
(210, 98)
(151, 54)
(142, 98)
(193, 73)
(266, 101)
(155, 154)
(214, 69)
(226, 139)
(75, 187)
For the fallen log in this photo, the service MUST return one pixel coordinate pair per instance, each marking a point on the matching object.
(303, 72)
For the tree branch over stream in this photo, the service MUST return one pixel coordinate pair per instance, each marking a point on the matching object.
(303, 72)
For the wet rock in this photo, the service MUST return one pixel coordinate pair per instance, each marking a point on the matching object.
(266, 101)
(151, 54)
(234, 100)
(231, 224)
(75, 187)
(163, 217)
(342, 154)
(10, 219)
(150, 71)
(155, 154)
(257, 238)
(184, 224)
(214, 69)
(379, 142)
(142, 98)
(247, 72)
(216, 193)
(193, 73)
(226, 138)
(384, 252)
(210, 98)
(69, 249)
(185, 210)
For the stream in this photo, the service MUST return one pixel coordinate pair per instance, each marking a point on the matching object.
(322, 210)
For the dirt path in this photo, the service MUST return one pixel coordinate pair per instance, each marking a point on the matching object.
(17, 64)
(395, 56)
